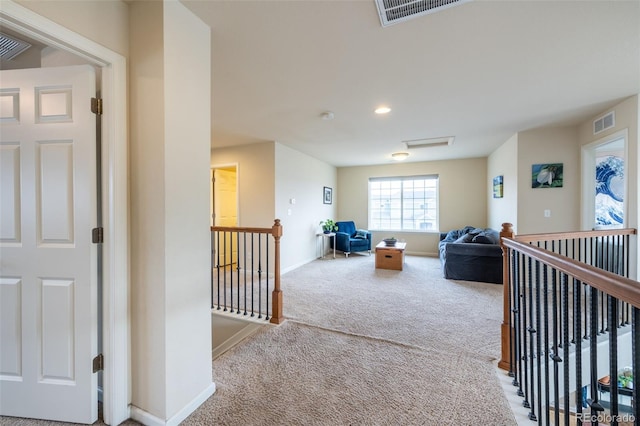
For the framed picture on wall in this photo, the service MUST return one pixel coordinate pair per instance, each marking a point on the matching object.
(498, 191)
(327, 195)
(547, 175)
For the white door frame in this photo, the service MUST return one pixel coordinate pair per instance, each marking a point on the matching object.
(115, 341)
(589, 177)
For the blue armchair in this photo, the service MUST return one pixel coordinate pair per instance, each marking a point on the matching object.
(349, 239)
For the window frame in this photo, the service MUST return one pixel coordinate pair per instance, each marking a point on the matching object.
(372, 223)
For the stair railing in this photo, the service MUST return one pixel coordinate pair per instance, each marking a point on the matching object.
(245, 265)
(571, 319)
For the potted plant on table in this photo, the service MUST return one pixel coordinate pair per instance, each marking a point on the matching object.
(328, 226)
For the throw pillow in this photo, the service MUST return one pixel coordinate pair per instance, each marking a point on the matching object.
(361, 234)
(466, 238)
(482, 239)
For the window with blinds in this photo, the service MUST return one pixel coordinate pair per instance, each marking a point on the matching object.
(406, 203)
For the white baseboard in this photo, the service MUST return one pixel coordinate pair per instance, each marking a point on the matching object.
(291, 268)
(149, 419)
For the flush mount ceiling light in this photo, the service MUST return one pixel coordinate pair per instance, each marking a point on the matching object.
(328, 115)
(400, 156)
(382, 110)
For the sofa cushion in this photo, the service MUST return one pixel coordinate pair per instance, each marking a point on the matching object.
(360, 233)
(482, 239)
(466, 238)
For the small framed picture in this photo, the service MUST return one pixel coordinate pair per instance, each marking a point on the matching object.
(548, 175)
(498, 191)
(327, 195)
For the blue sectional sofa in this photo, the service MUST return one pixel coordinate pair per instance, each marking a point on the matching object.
(471, 254)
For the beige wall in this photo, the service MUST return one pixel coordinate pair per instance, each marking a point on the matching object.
(170, 315)
(554, 145)
(147, 152)
(462, 192)
(503, 162)
(104, 21)
(256, 181)
(187, 245)
(301, 177)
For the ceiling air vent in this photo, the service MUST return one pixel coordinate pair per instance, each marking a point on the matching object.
(11, 47)
(428, 143)
(394, 11)
(603, 123)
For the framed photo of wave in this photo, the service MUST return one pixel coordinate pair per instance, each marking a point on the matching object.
(610, 189)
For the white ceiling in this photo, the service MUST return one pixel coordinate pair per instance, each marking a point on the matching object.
(481, 72)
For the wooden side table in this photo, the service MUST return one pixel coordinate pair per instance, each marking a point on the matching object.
(390, 257)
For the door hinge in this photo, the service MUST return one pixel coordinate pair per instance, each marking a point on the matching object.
(98, 363)
(97, 235)
(96, 106)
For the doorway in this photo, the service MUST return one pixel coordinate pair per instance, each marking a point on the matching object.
(224, 211)
(114, 185)
(604, 203)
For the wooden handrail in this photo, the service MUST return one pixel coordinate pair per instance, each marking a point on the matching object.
(620, 287)
(531, 238)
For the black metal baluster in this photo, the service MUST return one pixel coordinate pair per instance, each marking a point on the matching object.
(635, 350)
(517, 381)
(237, 266)
(545, 286)
(555, 357)
(525, 338)
(538, 352)
(253, 256)
(596, 407)
(211, 266)
(512, 312)
(613, 359)
(244, 262)
(259, 276)
(266, 237)
(565, 332)
(228, 265)
(577, 326)
(218, 265)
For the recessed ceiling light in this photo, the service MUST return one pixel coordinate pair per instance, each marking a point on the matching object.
(399, 156)
(382, 110)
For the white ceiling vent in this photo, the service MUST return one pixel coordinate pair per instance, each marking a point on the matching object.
(394, 11)
(603, 123)
(428, 143)
(10, 47)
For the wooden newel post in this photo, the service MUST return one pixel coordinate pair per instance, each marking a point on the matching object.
(276, 315)
(505, 329)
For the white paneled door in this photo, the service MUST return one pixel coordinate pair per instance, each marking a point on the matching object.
(48, 263)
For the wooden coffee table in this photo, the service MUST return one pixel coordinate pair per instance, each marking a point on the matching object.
(390, 257)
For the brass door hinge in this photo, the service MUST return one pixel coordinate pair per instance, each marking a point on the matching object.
(96, 106)
(97, 235)
(98, 363)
